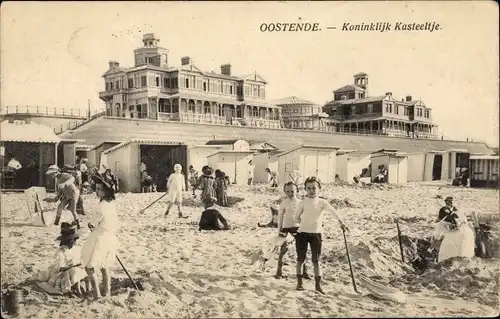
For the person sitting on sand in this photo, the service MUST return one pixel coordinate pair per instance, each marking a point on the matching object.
(457, 236)
(67, 193)
(309, 216)
(274, 219)
(99, 249)
(176, 185)
(220, 185)
(206, 184)
(287, 224)
(382, 175)
(212, 219)
(66, 273)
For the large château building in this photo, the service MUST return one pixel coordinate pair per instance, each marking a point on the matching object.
(300, 114)
(153, 89)
(355, 111)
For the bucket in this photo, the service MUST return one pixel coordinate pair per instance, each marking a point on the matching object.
(12, 302)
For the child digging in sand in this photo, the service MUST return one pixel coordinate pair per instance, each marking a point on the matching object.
(99, 250)
(67, 271)
(176, 185)
(309, 216)
(287, 224)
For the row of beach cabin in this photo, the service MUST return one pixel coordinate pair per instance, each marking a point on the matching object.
(233, 157)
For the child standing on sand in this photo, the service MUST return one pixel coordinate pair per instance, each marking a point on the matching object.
(309, 216)
(99, 250)
(287, 224)
(176, 185)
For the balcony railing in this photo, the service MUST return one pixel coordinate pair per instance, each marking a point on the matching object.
(111, 92)
(43, 110)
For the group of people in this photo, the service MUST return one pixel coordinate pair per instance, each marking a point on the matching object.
(74, 269)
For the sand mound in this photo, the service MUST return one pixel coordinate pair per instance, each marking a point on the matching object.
(342, 203)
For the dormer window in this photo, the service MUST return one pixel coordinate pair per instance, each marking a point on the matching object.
(343, 97)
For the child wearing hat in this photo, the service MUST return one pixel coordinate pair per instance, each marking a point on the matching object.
(176, 185)
(67, 193)
(67, 271)
(99, 250)
(207, 185)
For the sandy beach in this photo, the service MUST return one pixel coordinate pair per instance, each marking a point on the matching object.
(192, 274)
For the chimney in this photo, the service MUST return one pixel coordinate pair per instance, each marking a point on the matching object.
(113, 64)
(388, 93)
(408, 98)
(225, 69)
(186, 60)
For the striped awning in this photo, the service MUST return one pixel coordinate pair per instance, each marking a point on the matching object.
(31, 132)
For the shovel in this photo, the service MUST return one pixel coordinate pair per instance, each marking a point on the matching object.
(152, 203)
(38, 204)
(350, 265)
(137, 284)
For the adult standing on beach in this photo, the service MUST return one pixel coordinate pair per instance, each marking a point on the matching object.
(251, 170)
(67, 193)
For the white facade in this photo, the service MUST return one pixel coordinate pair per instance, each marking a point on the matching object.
(198, 155)
(396, 164)
(309, 161)
(261, 161)
(233, 163)
(351, 163)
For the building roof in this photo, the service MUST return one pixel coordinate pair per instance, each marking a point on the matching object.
(230, 152)
(114, 70)
(261, 145)
(349, 88)
(360, 74)
(106, 142)
(20, 131)
(292, 100)
(319, 147)
(222, 142)
(143, 141)
(484, 157)
(369, 99)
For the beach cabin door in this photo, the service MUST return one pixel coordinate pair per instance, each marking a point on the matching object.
(324, 162)
(436, 167)
(310, 164)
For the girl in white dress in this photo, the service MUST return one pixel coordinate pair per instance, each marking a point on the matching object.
(99, 250)
(176, 185)
(66, 272)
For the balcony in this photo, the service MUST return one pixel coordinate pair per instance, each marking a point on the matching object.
(108, 95)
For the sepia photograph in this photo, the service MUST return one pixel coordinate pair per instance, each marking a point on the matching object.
(226, 159)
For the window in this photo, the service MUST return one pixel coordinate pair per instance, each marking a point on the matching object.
(117, 84)
(396, 109)
(107, 86)
(174, 83)
(111, 85)
(157, 81)
(406, 112)
(143, 81)
(205, 86)
(230, 89)
(187, 83)
(166, 82)
(130, 83)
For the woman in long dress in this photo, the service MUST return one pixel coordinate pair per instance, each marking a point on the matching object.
(99, 250)
(456, 234)
(66, 272)
(221, 184)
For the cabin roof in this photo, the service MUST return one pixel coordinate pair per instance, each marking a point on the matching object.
(27, 132)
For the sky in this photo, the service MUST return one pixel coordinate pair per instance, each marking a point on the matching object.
(54, 54)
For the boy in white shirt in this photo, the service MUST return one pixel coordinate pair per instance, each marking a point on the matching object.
(287, 223)
(309, 216)
(176, 185)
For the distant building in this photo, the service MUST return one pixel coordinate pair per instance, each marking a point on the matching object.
(354, 111)
(153, 89)
(300, 114)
